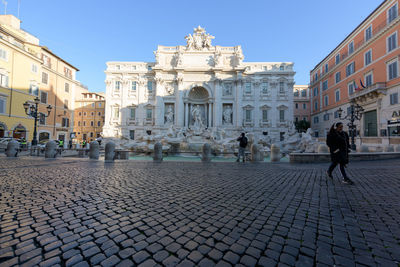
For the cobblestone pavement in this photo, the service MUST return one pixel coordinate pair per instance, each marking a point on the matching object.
(71, 212)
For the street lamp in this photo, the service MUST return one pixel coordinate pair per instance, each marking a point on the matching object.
(32, 110)
(356, 112)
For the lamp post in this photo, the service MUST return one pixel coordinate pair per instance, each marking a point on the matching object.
(32, 110)
(356, 112)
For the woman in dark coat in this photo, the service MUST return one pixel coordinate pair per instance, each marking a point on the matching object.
(338, 143)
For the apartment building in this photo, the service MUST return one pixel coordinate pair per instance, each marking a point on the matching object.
(362, 70)
(301, 102)
(89, 116)
(57, 88)
(19, 77)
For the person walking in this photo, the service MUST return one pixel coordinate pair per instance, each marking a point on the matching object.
(242, 146)
(338, 143)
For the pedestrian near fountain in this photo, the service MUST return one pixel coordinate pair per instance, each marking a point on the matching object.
(338, 143)
(242, 146)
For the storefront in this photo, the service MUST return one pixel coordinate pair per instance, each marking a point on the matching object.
(19, 132)
(394, 124)
(3, 130)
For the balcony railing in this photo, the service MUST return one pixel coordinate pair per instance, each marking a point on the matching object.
(343, 55)
(379, 87)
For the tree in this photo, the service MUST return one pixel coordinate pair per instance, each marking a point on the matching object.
(302, 126)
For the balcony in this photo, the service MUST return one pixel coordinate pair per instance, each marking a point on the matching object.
(148, 121)
(248, 123)
(265, 123)
(131, 121)
(371, 91)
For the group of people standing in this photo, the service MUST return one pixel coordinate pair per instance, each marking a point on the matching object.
(338, 143)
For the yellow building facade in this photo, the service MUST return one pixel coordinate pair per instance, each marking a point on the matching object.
(29, 70)
(19, 77)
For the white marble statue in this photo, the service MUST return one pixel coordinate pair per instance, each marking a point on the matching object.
(227, 116)
(169, 116)
(189, 41)
(196, 114)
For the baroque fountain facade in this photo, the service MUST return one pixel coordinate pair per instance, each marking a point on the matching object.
(198, 93)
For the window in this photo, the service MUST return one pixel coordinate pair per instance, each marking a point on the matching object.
(316, 119)
(79, 123)
(116, 112)
(368, 33)
(350, 88)
(84, 113)
(45, 78)
(149, 114)
(337, 59)
(65, 103)
(65, 122)
(336, 114)
(92, 123)
(326, 68)
(93, 106)
(264, 88)
(326, 100)
(281, 68)
(132, 113)
(99, 113)
(248, 115)
(91, 134)
(368, 79)
(3, 54)
(34, 68)
(315, 91)
(42, 119)
(316, 76)
(80, 113)
(264, 115)
(282, 115)
(133, 86)
(392, 13)
(3, 105)
(326, 117)
(66, 87)
(84, 123)
(296, 94)
(350, 69)
(368, 57)
(281, 87)
(34, 90)
(391, 42)
(303, 93)
(98, 123)
(304, 106)
(337, 95)
(394, 99)
(325, 85)
(351, 47)
(247, 88)
(337, 77)
(43, 97)
(3, 80)
(99, 105)
(117, 85)
(392, 70)
(67, 72)
(132, 134)
(315, 105)
(150, 86)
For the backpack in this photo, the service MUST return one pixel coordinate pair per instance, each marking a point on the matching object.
(243, 141)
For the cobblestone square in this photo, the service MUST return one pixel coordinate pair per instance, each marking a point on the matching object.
(73, 212)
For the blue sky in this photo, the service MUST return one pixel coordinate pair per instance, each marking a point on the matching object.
(88, 33)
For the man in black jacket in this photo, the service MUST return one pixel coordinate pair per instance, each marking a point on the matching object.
(338, 143)
(242, 146)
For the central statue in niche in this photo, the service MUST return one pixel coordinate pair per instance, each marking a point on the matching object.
(197, 118)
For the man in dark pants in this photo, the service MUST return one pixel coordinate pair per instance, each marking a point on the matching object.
(338, 143)
(242, 146)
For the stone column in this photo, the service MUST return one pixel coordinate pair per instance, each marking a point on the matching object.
(186, 114)
(158, 156)
(50, 150)
(209, 115)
